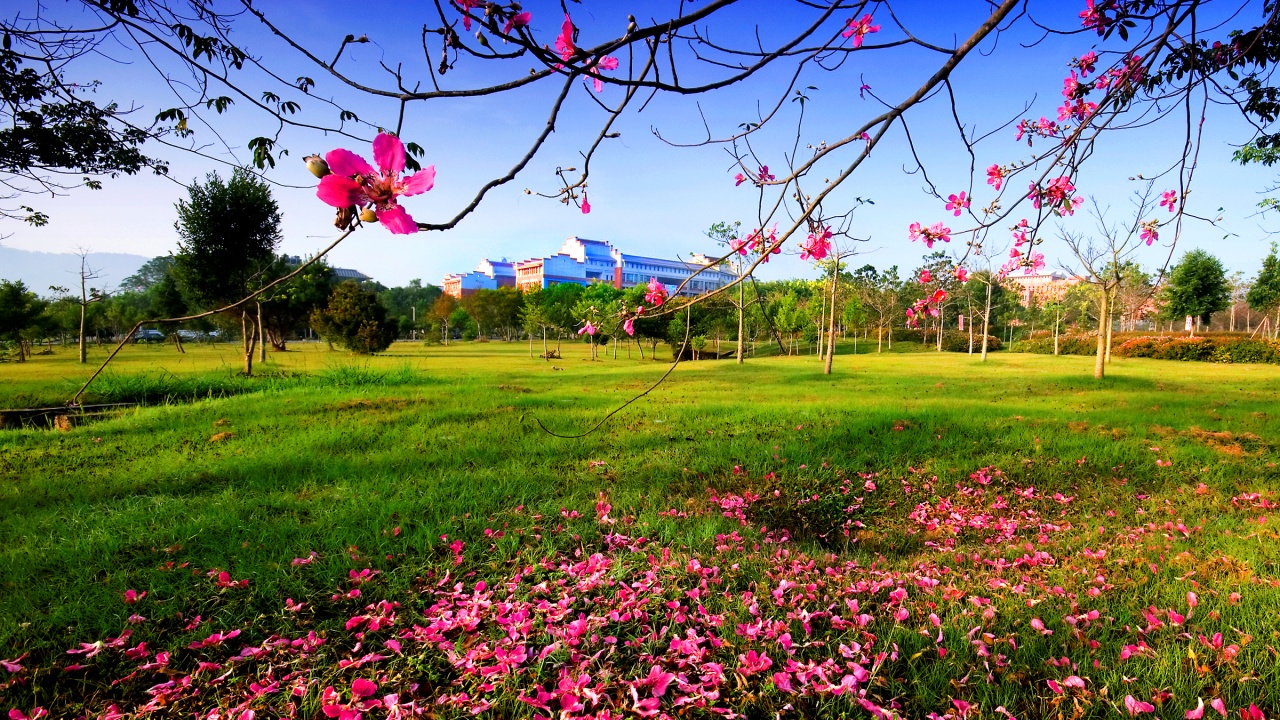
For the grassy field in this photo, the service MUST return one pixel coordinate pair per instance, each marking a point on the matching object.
(917, 533)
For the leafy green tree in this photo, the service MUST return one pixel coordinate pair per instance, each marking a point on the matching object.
(1264, 295)
(20, 311)
(410, 304)
(442, 311)
(151, 273)
(168, 301)
(1197, 287)
(287, 308)
(355, 320)
(558, 302)
(228, 232)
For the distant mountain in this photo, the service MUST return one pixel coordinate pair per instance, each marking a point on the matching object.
(39, 270)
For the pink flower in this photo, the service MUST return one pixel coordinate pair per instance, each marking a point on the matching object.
(859, 29)
(354, 182)
(629, 326)
(517, 20)
(1038, 625)
(1150, 232)
(764, 174)
(957, 203)
(1219, 706)
(995, 176)
(607, 62)
(962, 274)
(1169, 199)
(657, 291)
(738, 179)
(1137, 707)
(817, 245)
(1087, 62)
(1198, 712)
(1192, 599)
(754, 662)
(564, 41)
(36, 714)
(133, 596)
(926, 276)
(586, 206)
(588, 329)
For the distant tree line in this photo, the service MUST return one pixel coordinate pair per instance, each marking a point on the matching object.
(786, 316)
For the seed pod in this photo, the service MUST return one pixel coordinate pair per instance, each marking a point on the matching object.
(368, 215)
(316, 165)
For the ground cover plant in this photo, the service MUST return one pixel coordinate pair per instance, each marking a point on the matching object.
(910, 537)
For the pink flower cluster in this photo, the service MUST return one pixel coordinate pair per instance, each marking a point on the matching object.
(817, 245)
(929, 235)
(1058, 195)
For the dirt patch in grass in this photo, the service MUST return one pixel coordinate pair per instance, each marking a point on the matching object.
(515, 388)
(1237, 445)
(386, 403)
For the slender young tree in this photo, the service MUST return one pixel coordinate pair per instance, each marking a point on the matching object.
(228, 233)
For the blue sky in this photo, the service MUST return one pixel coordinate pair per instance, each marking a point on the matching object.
(648, 197)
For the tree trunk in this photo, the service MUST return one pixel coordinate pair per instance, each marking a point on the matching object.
(742, 308)
(177, 342)
(831, 326)
(249, 331)
(261, 338)
(1104, 312)
(1056, 320)
(986, 321)
(84, 349)
(880, 339)
(1109, 323)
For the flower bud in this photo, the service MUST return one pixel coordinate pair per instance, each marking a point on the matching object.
(368, 215)
(316, 165)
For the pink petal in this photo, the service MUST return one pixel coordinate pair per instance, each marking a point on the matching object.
(388, 152)
(420, 182)
(609, 62)
(363, 688)
(339, 191)
(396, 220)
(346, 163)
(586, 206)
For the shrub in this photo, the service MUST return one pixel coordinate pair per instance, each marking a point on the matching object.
(956, 341)
(355, 319)
(1223, 348)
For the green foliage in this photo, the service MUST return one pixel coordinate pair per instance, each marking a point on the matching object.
(228, 232)
(1264, 293)
(20, 311)
(151, 272)
(355, 320)
(287, 308)
(50, 127)
(1197, 286)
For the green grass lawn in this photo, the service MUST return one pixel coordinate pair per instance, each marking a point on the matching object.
(766, 494)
